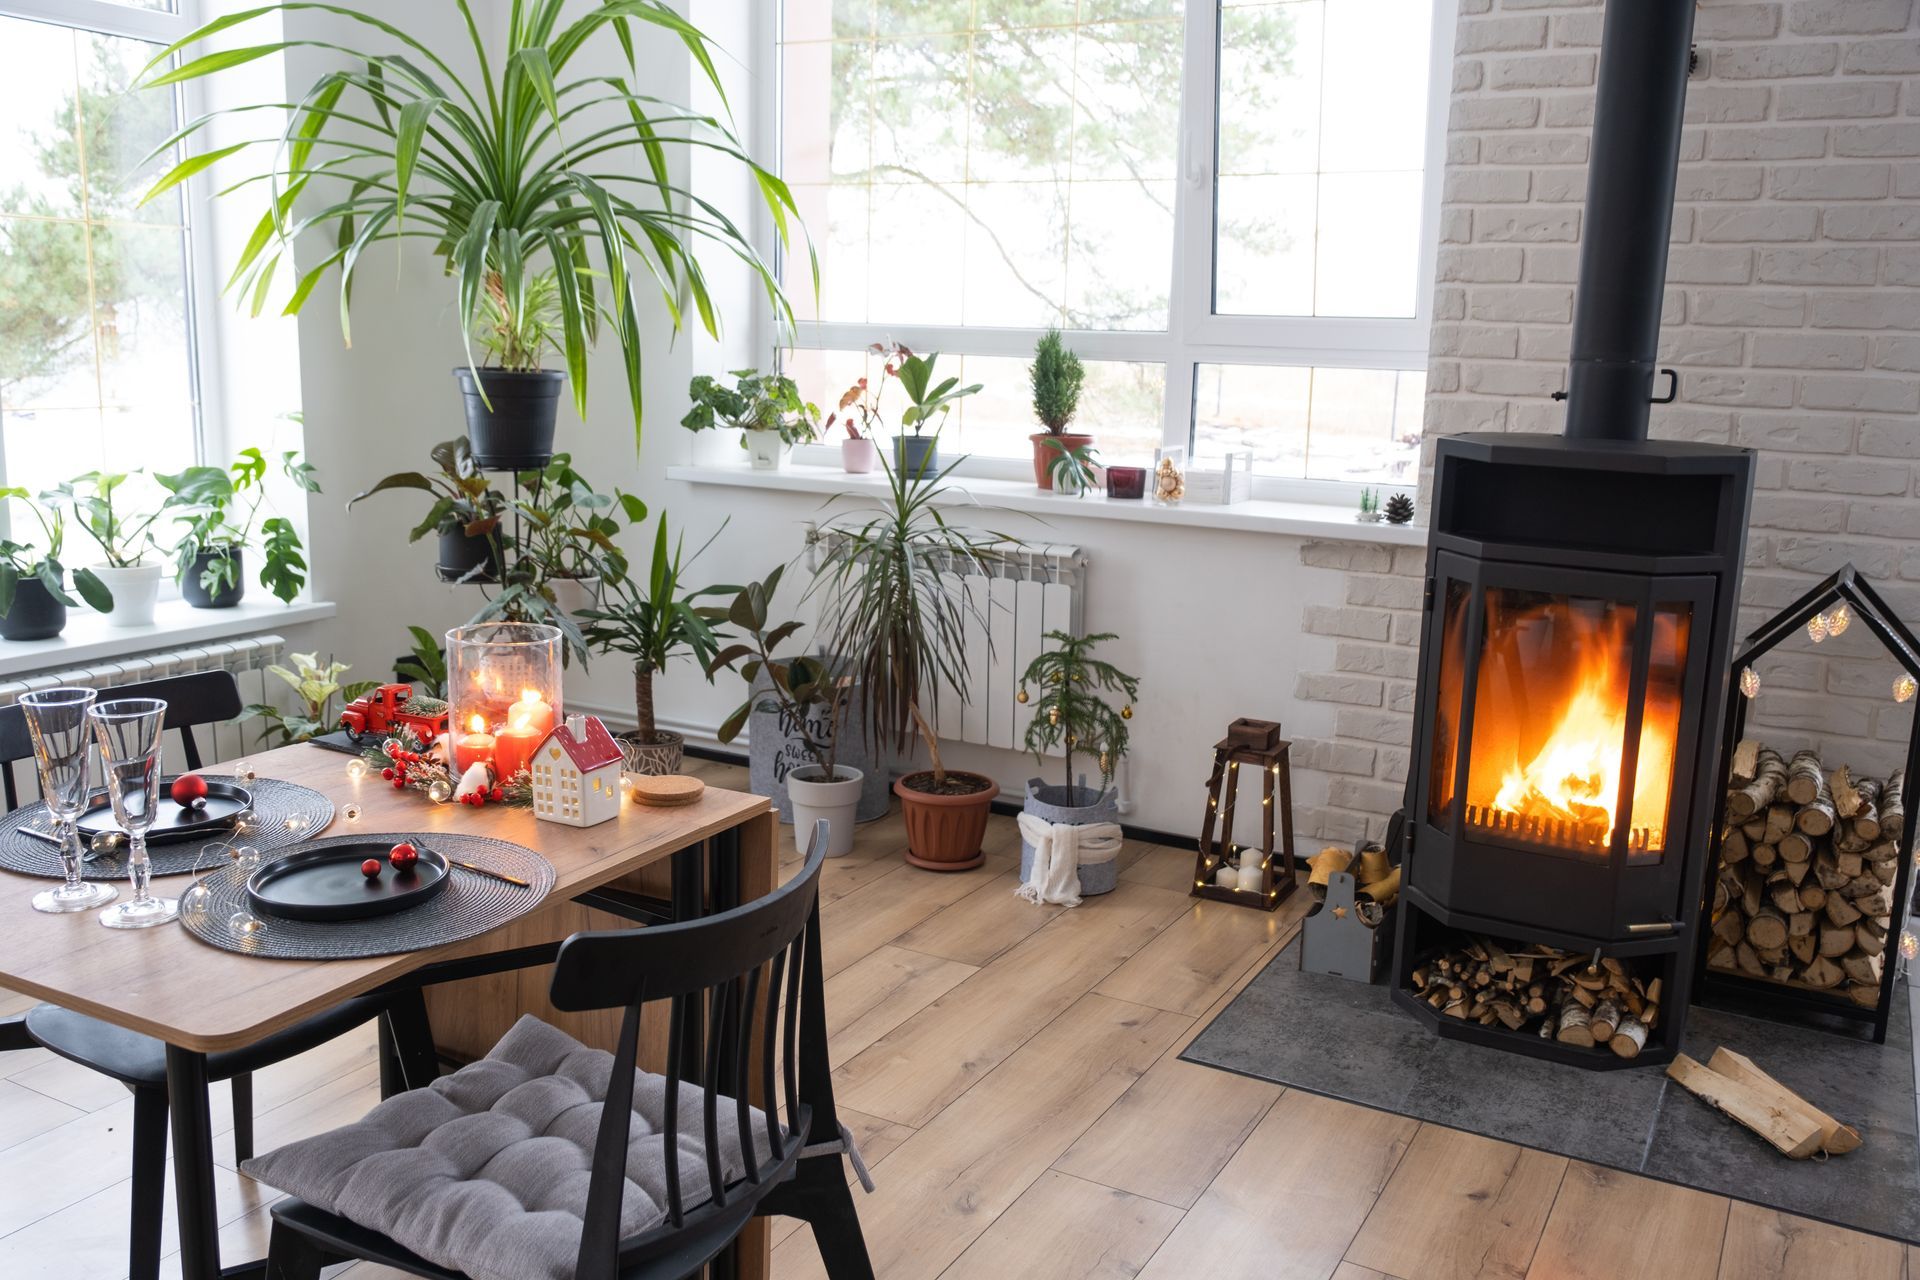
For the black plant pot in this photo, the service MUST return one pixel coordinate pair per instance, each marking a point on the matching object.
(916, 457)
(516, 432)
(461, 554)
(35, 615)
(229, 594)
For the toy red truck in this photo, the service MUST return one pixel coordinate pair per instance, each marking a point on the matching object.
(395, 706)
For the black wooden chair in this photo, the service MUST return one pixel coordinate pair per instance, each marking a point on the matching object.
(139, 1061)
(743, 984)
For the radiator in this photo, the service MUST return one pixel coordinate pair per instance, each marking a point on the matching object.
(246, 656)
(1035, 588)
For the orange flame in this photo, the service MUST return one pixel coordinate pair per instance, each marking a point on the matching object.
(1551, 753)
(477, 724)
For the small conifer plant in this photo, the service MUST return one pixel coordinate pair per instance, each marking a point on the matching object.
(1056, 374)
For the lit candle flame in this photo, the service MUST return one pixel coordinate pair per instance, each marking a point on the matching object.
(478, 723)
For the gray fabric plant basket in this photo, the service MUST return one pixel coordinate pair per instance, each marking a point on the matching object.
(1077, 806)
(774, 750)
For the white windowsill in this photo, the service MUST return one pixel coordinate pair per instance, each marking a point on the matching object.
(88, 639)
(1302, 519)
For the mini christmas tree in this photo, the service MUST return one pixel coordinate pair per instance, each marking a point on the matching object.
(1071, 712)
(1399, 509)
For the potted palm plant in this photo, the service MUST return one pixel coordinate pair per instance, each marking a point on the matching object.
(125, 537)
(1072, 714)
(465, 513)
(221, 506)
(654, 620)
(765, 408)
(1056, 376)
(811, 694)
(896, 614)
(501, 171)
(33, 584)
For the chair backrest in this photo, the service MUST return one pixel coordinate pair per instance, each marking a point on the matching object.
(203, 697)
(713, 971)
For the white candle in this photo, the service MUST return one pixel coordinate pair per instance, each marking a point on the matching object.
(1250, 877)
(1227, 877)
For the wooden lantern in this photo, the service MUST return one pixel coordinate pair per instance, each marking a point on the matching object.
(1257, 744)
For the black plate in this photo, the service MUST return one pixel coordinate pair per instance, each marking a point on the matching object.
(326, 884)
(225, 801)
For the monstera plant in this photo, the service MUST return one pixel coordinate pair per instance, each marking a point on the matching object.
(510, 170)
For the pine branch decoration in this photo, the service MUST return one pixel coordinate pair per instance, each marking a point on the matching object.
(1070, 712)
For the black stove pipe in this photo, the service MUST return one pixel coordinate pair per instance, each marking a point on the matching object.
(1646, 47)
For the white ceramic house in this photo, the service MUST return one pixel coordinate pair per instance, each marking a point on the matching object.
(576, 774)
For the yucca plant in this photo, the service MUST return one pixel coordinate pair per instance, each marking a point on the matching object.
(509, 171)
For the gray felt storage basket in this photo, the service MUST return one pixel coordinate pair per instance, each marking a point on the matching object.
(1078, 806)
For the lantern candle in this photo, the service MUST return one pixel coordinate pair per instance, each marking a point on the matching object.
(531, 713)
(476, 744)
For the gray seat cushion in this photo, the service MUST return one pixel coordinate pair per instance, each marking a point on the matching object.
(486, 1170)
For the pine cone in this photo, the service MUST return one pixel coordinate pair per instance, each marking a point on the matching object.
(1399, 509)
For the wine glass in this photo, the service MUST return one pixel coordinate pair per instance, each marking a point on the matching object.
(129, 733)
(62, 751)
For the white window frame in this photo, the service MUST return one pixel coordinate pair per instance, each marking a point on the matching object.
(1194, 335)
(203, 283)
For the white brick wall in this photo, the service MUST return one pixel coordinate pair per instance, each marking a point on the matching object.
(1792, 313)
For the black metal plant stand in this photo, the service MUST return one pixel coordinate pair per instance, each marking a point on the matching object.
(1760, 996)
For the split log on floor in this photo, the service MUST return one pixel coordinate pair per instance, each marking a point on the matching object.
(1836, 1139)
(1806, 782)
(1893, 810)
(1769, 778)
(1791, 1131)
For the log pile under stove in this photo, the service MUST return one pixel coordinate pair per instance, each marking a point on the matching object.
(1804, 888)
(1565, 996)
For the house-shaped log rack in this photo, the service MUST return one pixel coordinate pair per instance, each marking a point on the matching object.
(1256, 744)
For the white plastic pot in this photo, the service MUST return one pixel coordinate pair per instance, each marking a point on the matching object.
(859, 456)
(571, 595)
(767, 450)
(134, 592)
(835, 801)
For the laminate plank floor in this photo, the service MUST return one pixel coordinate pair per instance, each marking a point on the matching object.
(1027, 1115)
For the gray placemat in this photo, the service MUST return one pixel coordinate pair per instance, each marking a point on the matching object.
(284, 814)
(212, 907)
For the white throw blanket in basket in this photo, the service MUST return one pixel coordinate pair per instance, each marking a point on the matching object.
(1059, 851)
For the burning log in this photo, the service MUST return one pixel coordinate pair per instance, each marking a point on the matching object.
(1808, 858)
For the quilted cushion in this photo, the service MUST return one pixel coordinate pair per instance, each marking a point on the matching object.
(486, 1171)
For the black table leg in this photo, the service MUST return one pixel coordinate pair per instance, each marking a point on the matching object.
(193, 1164)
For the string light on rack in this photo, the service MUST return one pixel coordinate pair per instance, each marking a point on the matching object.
(1909, 945)
(1817, 628)
(1903, 688)
(1838, 621)
(1749, 682)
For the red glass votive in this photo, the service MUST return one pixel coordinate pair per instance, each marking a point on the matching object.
(1127, 482)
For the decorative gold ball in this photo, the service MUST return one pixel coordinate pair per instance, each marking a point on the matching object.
(1053, 715)
(1020, 696)
(1126, 713)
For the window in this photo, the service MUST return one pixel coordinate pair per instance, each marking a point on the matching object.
(1228, 205)
(96, 290)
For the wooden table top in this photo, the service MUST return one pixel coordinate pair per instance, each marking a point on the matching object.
(169, 984)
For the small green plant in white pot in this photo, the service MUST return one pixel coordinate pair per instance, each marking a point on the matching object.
(33, 584)
(811, 694)
(1073, 714)
(765, 408)
(125, 535)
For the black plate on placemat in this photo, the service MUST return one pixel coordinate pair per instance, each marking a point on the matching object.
(225, 801)
(327, 884)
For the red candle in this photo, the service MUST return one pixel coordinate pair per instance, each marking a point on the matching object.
(531, 712)
(476, 744)
(514, 748)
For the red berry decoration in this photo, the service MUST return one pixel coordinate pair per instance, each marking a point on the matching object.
(403, 856)
(370, 868)
(497, 794)
(387, 774)
(400, 783)
(189, 789)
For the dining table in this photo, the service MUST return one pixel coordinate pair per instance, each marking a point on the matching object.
(646, 866)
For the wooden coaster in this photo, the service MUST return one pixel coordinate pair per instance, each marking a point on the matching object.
(668, 791)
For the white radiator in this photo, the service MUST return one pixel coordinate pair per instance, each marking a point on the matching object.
(1035, 588)
(246, 656)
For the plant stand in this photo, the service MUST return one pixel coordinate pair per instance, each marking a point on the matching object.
(1277, 881)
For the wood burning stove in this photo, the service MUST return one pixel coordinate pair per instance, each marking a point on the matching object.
(1580, 597)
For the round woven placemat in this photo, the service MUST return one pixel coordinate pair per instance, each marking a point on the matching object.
(284, 814)
(215, 910)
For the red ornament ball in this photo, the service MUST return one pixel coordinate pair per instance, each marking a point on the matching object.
(370, 868)
(403, 855)
(189, 789)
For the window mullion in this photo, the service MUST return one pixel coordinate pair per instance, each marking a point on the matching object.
(1191, 290)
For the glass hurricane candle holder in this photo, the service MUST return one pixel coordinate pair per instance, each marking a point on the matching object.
(1127, 482)
(503, 690)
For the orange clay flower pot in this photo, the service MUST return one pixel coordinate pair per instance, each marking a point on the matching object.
(944, 832)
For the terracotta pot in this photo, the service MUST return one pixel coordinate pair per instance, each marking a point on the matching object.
(1044, 455)
(944, 832)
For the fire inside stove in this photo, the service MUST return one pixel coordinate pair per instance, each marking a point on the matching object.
(1551, 704)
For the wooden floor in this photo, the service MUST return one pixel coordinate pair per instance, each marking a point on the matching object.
(1012, 1074)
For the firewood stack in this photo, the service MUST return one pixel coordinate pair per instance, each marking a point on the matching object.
(1571, 999)
(1808, 858)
